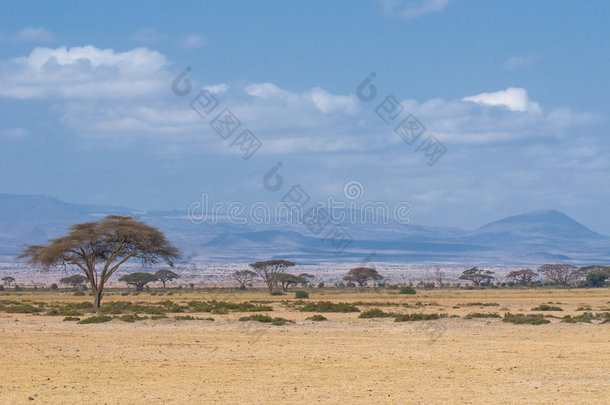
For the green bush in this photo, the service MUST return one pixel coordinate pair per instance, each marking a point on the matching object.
(265, 319)
(418, 317)
(185, 318)
(585, 317)
(481, 315)
(301, 294)
(326, 306)
(79, 293)
(407, 290)
(376, 313)
(54, 287)
(132, 318)
(96, 319)
(71, 319)
(545, 307)
(519, 319)
(277, 293)
(22, 309)
(316, 318)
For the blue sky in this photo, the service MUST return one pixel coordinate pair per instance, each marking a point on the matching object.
(516, 91)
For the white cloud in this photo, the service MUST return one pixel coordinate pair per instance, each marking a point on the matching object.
(517, 62)
(413, 8)
(193, 41)
(513, 98)
(34, 34)
(84, 72)
(328, 103)
(217, 88)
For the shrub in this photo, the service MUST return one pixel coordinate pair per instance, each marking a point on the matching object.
(376, 313)
(184, 318)
(54, 287)
(156, 317)
(301, 294)
(71, 319)
(407, 290)
(321, 284)
(266, 319)
(17, 288)
(418, 317)
(479, 304)
(1, 287)
(519, 319)
(326, 306)
(79, 293)
(132, 318)
(22, 309)
(481, 315)
(96, 319)
(585, 317)
(545, 307)
(316, 318)
(277, 293)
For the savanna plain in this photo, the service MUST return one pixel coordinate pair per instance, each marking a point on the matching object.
(228, 346)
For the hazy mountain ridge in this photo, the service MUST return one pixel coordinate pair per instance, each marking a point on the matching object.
(534, 237)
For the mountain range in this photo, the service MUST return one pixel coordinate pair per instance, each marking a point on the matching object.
(537, 237)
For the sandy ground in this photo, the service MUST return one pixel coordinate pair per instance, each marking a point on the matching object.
(343, 360)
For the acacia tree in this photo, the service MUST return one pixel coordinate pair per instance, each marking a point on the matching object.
(270, 270)
(243, 277)
(523, 276)
(8, 280)
(477, 276)
(562, 274)
(596, 275)
(306, 278)
(165, 275)
(138, 280)
(361, 275)
(100, 248)
(73, 280)
(286, 280)
(439, 276)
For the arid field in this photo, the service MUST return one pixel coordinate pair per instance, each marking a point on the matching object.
(345, 359)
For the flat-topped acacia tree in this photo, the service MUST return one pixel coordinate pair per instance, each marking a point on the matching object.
(100, 248)
(270, 270)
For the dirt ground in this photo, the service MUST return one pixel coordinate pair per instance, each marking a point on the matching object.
(342, 360)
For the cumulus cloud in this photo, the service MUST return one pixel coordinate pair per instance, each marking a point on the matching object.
(217, 88)
(413, 8)
(513, 98)
(84, 72)
(193, 41)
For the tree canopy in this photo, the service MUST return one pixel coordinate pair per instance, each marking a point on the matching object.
(361, 275)
(477, 276)
(523, 276)
(8, 280)
(243, 277)
(165, 275)
(138, 280)
(270, 270)
(73, 280)
(562, 274)
(100, 248)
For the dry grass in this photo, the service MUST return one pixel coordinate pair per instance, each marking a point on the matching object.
(342, 360)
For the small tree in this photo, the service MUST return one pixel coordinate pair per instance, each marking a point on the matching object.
(361, 275)
(270, 270)
(596, 275)
(138, 280)
(439, 276)
(562, 274)
(243, 277)
(165, 275)
(286, 280)
(306, 278)
(8, 280)
(523, 276)
(73, 280)
(477, 276)
(107, 243)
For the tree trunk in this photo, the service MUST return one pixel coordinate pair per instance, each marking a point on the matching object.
(163, 281)
(97, 298)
